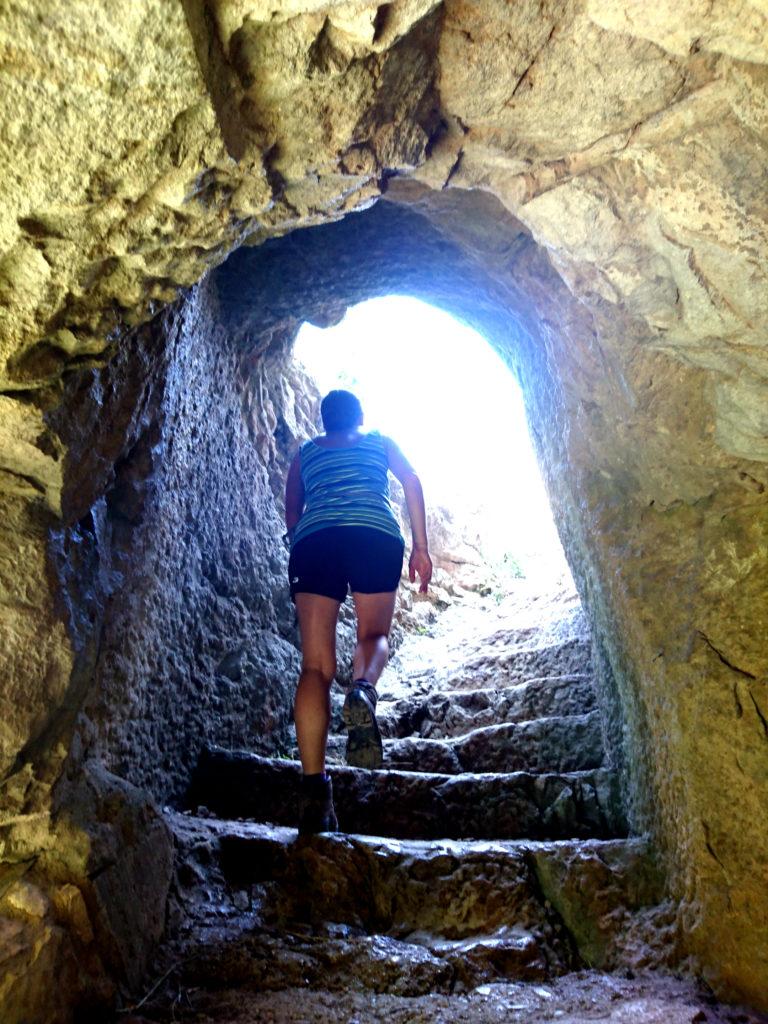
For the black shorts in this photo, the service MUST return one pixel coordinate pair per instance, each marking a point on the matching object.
(327, 562)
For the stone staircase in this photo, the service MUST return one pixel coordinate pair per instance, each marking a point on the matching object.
(491, 849)
(498, 738)
(420, 805)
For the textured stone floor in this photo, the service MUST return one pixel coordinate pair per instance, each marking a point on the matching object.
(578, 998)
(492, 732)
(483, 875)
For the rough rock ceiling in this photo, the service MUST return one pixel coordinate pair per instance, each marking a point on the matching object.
(142, 142)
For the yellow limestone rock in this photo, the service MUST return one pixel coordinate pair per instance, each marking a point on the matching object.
(141, 142)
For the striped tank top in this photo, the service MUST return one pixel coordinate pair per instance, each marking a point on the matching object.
(346, 487)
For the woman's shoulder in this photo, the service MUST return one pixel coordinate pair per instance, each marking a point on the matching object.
(386, 442)
(377, 437)
(379, 442)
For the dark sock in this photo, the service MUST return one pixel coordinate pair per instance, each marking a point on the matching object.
(315, 783)
(368, 688)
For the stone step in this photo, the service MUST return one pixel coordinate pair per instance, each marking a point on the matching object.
(512, 663)
(337, 911)
(235, 784)
(615, 997)
(558, 744)
(454, 713)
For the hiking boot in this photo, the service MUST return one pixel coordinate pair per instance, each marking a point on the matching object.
(363, 736)
(316, 813)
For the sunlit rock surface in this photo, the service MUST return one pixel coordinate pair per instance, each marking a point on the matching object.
(223, 120)
(84, 887)
(604, 225)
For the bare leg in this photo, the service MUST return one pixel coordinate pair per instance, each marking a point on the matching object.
(311, 709)
(374, 620)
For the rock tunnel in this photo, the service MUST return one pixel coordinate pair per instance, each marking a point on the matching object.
(581, 182)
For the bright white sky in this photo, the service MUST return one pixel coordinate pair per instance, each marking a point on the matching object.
(446, 397)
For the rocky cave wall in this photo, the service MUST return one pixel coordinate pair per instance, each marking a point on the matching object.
(628, 141)
(169, 578)
(176, 454)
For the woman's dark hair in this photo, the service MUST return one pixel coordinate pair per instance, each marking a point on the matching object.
(341, 410)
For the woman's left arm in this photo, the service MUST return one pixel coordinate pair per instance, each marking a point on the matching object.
(419, 562)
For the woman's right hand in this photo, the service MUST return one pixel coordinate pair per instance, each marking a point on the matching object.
(420, 563)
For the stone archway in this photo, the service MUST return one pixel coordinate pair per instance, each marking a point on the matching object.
(184, 586)
(643, 374)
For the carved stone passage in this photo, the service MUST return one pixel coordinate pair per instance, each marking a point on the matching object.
(584, 182)
(656, 517)
(533, 898)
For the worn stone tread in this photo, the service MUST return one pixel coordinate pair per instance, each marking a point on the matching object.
(450, 713)
(418, 806)
(521, 662)
(557, 744)
(575, 998)
(522, 909)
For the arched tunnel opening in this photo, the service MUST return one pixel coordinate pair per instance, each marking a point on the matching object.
(451, 402)
(187, 435)
(170, 583)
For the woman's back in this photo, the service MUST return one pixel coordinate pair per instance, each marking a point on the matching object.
(346, 485)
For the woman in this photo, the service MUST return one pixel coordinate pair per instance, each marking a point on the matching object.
(344, 534)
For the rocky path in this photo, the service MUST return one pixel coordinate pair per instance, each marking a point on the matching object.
(491, 732)
(485, 874)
